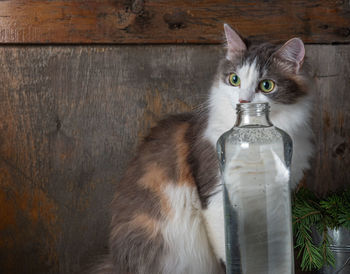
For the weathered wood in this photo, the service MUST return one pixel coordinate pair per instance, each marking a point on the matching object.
(163, 21)
(69, 121)
(70, 118)
(331, 167)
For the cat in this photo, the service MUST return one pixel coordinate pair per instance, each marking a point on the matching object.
(167, 213)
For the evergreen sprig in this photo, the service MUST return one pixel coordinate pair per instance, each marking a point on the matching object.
(319, 214)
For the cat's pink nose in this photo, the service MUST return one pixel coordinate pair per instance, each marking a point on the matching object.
(243, 101)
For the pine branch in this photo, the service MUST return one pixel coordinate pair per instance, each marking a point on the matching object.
(309, 212)
(299, 219)
(328, 256)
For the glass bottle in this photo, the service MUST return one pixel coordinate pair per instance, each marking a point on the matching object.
(255, 158)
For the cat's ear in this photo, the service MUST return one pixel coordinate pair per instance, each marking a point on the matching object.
(293, 51)
(234, 43)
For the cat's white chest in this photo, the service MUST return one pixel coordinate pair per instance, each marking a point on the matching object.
(189, 246)
(214, 221)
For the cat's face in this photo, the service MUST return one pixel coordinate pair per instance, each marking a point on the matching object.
(264, 72)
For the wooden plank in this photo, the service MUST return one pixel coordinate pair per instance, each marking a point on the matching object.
(70, 118)
(331, 121)
(163, 21)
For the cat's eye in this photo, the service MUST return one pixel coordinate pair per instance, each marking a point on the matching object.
(267, 86)
(234, 79)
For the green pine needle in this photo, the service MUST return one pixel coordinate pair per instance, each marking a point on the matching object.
(313, 213)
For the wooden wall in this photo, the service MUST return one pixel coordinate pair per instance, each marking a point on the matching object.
(71, 115)
(70, 121)
(176, 21)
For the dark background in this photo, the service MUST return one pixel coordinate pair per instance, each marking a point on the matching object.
(77, 94)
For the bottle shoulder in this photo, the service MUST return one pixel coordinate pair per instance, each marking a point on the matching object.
(254, 134)
(255, 144)
(285, 136)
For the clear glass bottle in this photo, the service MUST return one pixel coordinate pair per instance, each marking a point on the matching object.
(255, 159)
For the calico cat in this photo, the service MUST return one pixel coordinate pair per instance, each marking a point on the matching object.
(167, 213)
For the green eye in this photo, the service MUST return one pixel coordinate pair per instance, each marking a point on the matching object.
(234, 79)
(267, 86)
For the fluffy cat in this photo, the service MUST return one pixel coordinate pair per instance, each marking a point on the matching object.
(167, 213)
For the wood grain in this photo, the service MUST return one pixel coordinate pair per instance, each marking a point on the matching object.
(70, 118)
(331, 167)
(179, 21)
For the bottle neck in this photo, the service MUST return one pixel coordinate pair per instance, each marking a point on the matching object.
(253, 115)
